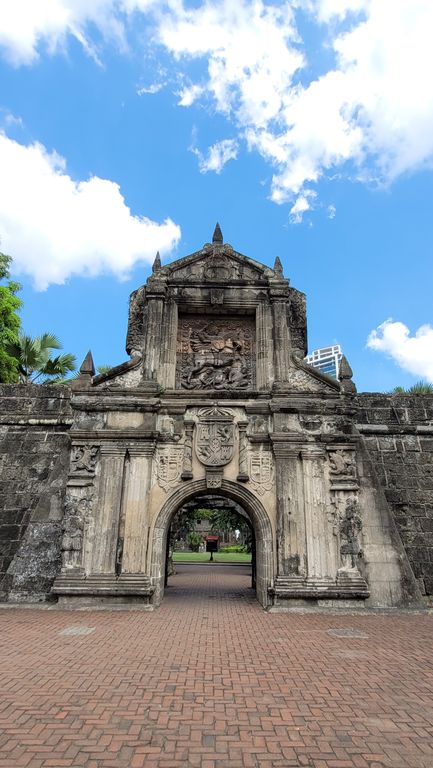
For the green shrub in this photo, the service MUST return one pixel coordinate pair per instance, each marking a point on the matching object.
(233, 549)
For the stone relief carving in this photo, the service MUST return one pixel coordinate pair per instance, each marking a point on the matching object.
(261, 472)
(215, 437)
(342, 462)
(215, 354)
(214, 478)
(84, 459)
(350, 528)
(169, 467)
(77, 512)
(258, 426)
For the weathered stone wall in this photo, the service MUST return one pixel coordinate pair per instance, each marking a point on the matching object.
(398, 434)
(34, 456)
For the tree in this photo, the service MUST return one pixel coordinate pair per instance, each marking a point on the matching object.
(9, 322)
(35, 362)
(227, 520)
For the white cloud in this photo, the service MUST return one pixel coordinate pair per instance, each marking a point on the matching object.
(218, 155)
(331, 211)
(55, 227)
(189, 94)
(412, 353)
(301, 205)
(26, 26)
(151, 89)
(373, 110)
(369, 116)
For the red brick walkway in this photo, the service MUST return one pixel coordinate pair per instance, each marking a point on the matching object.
(210, 680)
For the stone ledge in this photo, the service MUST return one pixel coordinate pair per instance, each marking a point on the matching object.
(345, 587)
(103, 585)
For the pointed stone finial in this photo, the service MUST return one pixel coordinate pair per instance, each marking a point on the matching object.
(87, 370)
(157, 263)
(87, 367)
(345, 374)
(278, 267)
(217, 236)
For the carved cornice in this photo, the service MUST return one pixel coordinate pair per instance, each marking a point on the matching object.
(285, 445)
(104, 435)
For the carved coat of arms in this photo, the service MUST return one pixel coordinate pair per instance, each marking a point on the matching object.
(215, 437)
(168, 467)
(261, 472)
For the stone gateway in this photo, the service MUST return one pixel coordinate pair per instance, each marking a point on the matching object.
(216, 398)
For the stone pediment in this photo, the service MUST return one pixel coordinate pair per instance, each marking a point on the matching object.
(304, 378)
(217, 264)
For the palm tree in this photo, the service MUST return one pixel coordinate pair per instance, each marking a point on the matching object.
(35, 361)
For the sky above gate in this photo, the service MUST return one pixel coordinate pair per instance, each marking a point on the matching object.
(304, 127)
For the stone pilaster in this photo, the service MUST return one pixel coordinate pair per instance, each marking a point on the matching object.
(135, 507)
(153, 337)
(107, 511)
(187, 451)
(168, 357)
(264, 346)
(281, 339)
(290, 524)
(243, 476)
(319, 535)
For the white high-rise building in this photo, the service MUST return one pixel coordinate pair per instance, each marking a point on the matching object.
(326, 359)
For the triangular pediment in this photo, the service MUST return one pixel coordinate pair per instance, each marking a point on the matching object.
(217, 263)
(304, 378)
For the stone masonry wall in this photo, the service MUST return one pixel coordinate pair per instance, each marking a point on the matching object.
(34, 447)
(398, 433)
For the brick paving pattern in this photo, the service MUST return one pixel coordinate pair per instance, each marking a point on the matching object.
(210, 680)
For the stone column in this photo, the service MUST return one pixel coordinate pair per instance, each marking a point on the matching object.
(135, 507)
(107, 509)
(319, 535)
(281, 339)
(289, 492)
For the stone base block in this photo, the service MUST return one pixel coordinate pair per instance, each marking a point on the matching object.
(76, 588)
(348, 587)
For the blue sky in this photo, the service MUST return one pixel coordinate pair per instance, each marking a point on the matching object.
(304, 128)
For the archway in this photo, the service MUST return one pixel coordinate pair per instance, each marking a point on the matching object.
(202, 529)
(259, 520)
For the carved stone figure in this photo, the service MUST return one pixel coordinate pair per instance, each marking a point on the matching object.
(350, 527)
(217, 354)
(76, 511)
(342, 462)
(84, 458)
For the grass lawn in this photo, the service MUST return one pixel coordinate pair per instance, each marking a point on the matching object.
(219, 557)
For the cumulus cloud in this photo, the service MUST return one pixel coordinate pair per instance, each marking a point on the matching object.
(368, 115)
(55, 227)
(412, 353)
(217, 156)
(372, 111)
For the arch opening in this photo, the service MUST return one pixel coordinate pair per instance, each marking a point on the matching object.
(246, 502)
(211, 529)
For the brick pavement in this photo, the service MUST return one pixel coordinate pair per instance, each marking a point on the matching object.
(210, 681)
